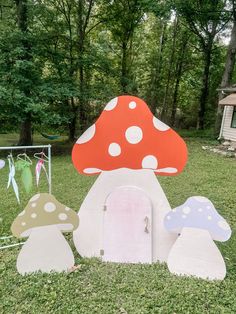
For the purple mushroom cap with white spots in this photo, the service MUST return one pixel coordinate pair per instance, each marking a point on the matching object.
(198, 212)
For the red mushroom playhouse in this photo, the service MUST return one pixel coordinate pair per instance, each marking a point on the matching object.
(121, 218)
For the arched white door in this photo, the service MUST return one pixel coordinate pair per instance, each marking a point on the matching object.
(127, 228)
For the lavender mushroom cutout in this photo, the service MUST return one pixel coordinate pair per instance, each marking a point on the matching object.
(194, 252)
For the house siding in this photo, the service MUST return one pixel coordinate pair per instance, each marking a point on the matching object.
(228, 133)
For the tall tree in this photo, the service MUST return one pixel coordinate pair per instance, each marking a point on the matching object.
(84, 11)
(26, 57)
(178, 75)
(122, 19)
(66, 27)
(205, 19)
(19, 72)
(170, 66)
(157, 65)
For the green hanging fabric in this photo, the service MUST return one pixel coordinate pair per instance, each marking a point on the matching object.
(26, 174)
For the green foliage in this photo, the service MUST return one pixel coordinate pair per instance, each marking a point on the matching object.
(77, 55)
(16, 76)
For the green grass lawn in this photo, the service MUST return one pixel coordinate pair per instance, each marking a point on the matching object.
(112, 288)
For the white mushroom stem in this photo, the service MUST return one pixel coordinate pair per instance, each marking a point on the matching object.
(88, 238)
(195, 254)
(45, 250)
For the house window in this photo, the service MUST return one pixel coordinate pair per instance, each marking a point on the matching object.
(233, 122)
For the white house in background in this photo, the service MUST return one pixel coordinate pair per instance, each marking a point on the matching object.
(228, 124)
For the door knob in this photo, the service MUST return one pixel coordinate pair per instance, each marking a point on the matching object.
(146, 220)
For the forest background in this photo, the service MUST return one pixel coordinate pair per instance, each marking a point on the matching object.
(61, 61)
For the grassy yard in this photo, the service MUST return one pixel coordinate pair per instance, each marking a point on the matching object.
(112, 288)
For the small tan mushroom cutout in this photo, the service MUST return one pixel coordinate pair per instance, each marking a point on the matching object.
(43, 221)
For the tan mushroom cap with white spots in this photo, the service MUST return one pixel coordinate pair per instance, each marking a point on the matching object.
(44, 210)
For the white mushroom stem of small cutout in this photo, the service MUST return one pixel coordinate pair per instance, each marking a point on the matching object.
(45, 250)
(194, 252)
(43, 221)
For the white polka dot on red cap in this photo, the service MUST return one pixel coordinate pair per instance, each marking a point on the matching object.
(111, 104)
(87, 135)
(149, 162)
(160, 125)
(114, 149)
(132, 105)
(134, 134)
(167, 170)
(92, 170)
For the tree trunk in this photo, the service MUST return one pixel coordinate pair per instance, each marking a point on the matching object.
(124, 70)
(82, 24)
(72, 128)
(72, 73)
(26, 137)
(73, 120)
(170, 66)
(22, 19)
(205, 87)
(227, 76)
(156, 75)
(81, 37)
(178, 78)
(22, 15)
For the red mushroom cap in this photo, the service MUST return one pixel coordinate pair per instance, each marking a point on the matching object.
(127, 135)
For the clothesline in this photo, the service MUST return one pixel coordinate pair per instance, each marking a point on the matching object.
(10, 148)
